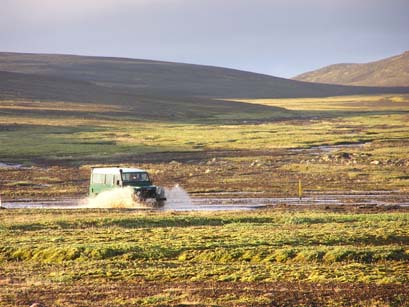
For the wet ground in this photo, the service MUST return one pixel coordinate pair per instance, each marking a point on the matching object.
(331, 175)
(181, 201)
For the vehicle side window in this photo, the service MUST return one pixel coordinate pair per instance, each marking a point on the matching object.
(109, 179)
(98, 178)
(126, 176)
(144, 177)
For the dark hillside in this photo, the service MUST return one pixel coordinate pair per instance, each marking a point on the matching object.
(19, 86)
(145, 77)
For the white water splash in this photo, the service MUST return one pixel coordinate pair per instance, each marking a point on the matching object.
(116, 198)
(177, 198)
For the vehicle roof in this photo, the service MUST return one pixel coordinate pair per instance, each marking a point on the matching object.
(116, 170)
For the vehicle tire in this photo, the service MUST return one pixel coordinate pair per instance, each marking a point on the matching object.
(159, 203)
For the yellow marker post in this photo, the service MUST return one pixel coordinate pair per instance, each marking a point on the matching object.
(300, 189)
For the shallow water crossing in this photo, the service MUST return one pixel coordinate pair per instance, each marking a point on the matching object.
(179, 200)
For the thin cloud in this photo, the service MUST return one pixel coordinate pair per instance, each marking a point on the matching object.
(43, 11)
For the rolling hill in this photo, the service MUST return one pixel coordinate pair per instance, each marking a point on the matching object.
(170, 79)
(154, 89)
(393, 71)
(20, 86)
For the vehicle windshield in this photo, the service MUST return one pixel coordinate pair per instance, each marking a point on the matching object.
(135, 177)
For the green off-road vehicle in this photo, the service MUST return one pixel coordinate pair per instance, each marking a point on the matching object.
(104, 179)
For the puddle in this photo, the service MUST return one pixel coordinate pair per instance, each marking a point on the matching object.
(43, 204)
(7, 165)
(183, 202)
(331, 148)
(195, 204)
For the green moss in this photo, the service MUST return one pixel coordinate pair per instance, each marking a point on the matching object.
(92, 245)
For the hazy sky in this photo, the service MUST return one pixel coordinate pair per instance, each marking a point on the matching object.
(277, 37)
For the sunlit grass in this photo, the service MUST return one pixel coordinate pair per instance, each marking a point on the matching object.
(257, 246)
(68, 137)
(341, 103)
(72, 136)
(87, 138)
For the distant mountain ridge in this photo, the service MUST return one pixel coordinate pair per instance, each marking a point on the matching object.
(392, 71)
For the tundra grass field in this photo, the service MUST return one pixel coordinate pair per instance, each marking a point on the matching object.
(348, 255)
(276, 257)
(252, 152)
